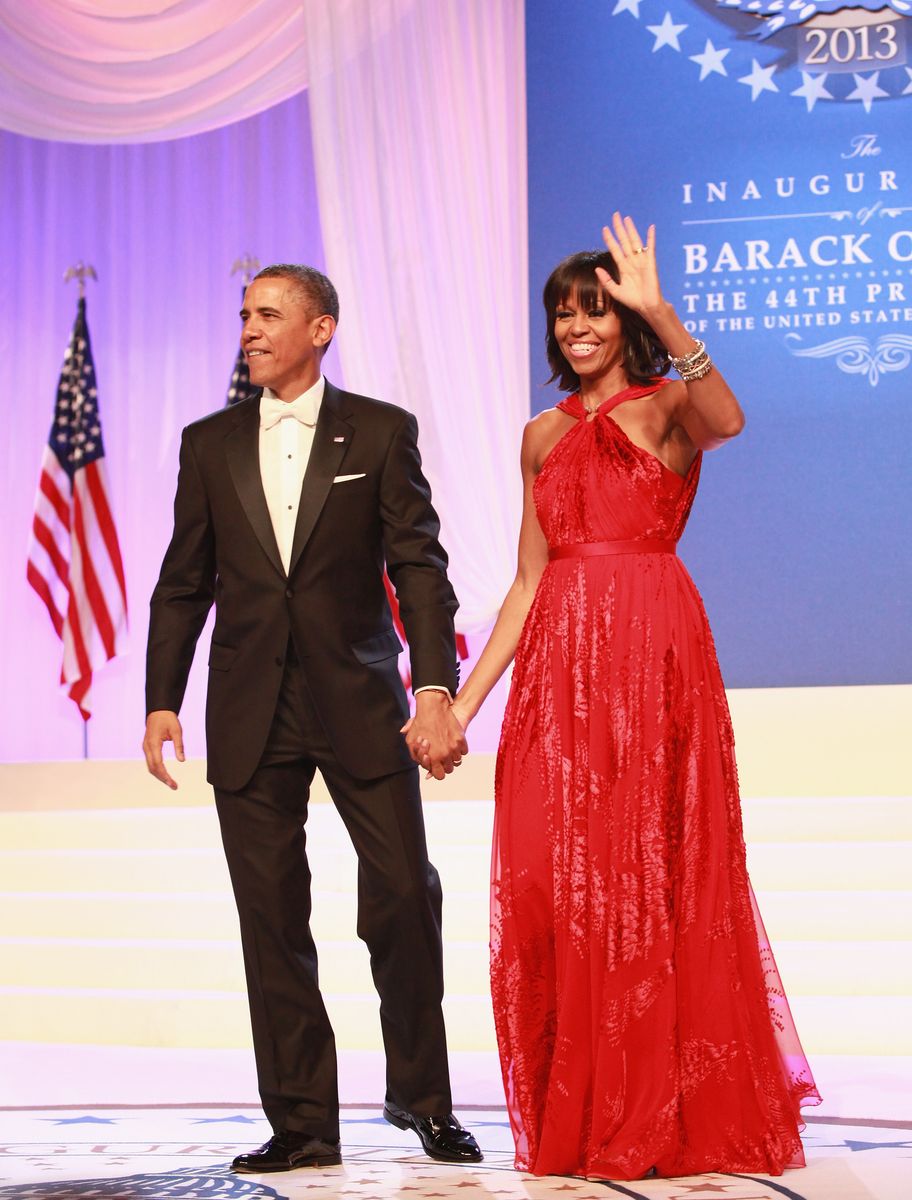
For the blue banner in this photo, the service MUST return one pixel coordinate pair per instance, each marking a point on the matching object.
(771, 145)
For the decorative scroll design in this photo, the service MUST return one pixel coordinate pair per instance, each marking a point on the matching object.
(856, 356)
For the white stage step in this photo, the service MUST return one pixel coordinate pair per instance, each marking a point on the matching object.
(119, 926)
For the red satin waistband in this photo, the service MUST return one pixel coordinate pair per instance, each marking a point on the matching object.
(633, 546)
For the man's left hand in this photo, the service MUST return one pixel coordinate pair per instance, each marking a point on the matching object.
(435, 739)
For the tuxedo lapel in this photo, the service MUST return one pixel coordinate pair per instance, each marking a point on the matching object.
(242, 449)
(331, 440)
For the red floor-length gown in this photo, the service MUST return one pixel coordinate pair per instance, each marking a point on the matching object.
(640, 1016)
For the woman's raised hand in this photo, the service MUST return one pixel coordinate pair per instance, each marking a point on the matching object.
(638, 286)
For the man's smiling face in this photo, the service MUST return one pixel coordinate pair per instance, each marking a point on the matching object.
(282, 337)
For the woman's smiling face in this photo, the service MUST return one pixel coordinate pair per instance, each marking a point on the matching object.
(590, 337)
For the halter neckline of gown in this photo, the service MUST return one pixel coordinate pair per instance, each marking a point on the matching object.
(574, 407)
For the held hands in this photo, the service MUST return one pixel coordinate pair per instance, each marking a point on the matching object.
(162, 726)
(434, 736)
(638, 287)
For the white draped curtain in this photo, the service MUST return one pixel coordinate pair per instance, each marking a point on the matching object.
(418, 127)
(145, 70)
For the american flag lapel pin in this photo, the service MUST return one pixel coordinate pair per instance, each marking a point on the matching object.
(341, 438)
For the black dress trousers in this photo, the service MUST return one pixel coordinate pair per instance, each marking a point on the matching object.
(399, 917)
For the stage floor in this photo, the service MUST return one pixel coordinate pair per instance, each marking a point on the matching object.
(185, 1153)
(139, 1143)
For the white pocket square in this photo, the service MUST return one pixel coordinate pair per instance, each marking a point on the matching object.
(345, 478)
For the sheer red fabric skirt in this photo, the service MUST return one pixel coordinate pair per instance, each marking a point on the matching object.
(640, 1016)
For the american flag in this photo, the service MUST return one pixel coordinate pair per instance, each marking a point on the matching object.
(74, 561)
(240, 386)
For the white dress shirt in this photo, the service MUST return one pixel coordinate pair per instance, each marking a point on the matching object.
(284, 454)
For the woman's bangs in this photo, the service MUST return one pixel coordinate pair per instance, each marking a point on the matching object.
(576, 282)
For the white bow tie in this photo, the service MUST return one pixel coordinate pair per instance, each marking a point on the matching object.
(272, 410)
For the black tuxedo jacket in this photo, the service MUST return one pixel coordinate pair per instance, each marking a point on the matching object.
(332, 602)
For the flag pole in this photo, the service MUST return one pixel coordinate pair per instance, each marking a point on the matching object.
(81, 272)
(240, 387)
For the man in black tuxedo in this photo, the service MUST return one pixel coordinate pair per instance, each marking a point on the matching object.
(288, 506)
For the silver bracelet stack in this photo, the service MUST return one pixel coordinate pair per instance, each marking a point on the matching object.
(693, 365)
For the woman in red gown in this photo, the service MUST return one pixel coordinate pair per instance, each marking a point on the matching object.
(640, 1017)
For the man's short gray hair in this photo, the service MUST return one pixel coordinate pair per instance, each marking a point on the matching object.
(316, 290)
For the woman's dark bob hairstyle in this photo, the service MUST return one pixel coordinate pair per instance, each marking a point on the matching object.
(644, 355)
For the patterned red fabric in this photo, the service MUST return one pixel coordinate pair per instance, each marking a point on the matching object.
(640, 1016)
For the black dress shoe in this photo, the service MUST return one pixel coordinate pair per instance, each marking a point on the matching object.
(287, 1150)
(443, 1138)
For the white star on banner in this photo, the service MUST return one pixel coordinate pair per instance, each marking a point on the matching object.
(813, 88)
(631, 6)
(666, 34)
(867, 89)
(760, 79)
(907, 90)
(710, 60)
